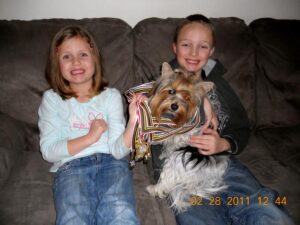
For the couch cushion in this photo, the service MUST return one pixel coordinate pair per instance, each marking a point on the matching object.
(26, 198)
(278, 75)
(150, 210)
(12, 143)
(284, 143)
(234, 48)
(24, 50)
(261, 156)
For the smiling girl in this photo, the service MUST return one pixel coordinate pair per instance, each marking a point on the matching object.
(84, 135)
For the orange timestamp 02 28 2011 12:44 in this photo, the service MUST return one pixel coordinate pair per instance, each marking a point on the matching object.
(236, 201)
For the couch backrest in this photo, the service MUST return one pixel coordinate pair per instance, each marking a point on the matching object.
(262, 59)
(234, 48)
(24, 49)
(278, 72)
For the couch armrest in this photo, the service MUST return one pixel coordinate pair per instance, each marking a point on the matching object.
(12, 142)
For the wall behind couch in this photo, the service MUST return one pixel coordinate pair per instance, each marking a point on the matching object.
(132, 11)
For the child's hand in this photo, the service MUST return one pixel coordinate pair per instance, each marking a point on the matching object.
(211, 119)
(97, 128)
(209, 142)
(136, 99)
(133, 113)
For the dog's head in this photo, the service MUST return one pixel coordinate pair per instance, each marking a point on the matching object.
(176, 95)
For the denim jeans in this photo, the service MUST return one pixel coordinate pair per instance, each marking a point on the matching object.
(94, 190)
(245, 202)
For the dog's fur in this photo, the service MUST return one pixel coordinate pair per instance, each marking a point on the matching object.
(185, 171)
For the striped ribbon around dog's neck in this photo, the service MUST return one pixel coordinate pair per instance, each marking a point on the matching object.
(148, 130)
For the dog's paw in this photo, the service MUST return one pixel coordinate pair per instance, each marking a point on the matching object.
(179, 207)
(156, 191)
(151, 190)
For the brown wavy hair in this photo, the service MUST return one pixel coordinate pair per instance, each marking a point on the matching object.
(53, 73)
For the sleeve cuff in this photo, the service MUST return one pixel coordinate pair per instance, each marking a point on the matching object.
(120, 150)
(233, 145)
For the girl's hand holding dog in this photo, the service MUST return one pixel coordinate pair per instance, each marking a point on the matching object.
(209, 142)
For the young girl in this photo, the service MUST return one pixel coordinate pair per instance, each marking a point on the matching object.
(193, 45)
(82, 132)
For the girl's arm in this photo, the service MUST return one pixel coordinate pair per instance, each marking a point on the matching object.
(128, 134)
(209, 141)
(52, 143)
(236, 129)
(76, 145)
(55, 146)
(119, 138)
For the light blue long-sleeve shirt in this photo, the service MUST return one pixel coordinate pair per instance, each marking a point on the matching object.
(62, 120)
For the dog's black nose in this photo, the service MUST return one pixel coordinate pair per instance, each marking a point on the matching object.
(174, 107)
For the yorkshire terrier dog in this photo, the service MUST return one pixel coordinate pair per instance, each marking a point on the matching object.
(185, 173)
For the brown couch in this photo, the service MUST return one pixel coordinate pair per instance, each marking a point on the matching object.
(263, 63)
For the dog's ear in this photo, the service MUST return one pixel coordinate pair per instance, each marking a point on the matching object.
(166, 71)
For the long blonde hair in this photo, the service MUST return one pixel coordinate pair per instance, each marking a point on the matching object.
(53, 73)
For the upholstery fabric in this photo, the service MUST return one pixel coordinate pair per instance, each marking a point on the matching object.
(12, 143)
(278, 75)
(263, 66)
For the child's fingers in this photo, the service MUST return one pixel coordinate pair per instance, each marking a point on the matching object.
(140, 97)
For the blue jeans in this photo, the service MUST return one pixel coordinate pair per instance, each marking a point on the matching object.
(94, 190)
(245, 202)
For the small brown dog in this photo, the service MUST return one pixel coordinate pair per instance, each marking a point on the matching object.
(177, 96)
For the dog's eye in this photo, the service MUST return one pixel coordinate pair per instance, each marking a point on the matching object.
(172, 92)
